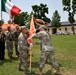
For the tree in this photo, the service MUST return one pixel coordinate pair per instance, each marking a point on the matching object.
(1, 22)
(28, 20)
(70, 7)
(56, 19)
(21, 18)
(40, 11)
(9, 22)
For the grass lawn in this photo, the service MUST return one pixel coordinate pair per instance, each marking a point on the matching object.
(65, 53)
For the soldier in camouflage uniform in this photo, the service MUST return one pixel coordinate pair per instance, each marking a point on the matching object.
(47, 50)
(23, 48)
(15, 35)
(9, 42)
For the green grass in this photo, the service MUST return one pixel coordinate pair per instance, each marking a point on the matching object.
(65, 53)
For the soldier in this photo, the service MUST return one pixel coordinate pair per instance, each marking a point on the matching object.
(15, 35)
(46, 51)
(9, 42)
(2, 45)
(23, 48)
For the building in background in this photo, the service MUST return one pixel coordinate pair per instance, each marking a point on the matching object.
(66, 28)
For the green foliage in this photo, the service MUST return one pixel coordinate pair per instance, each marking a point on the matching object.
(71, 17)
(66, 2)
(40, 11)
(56, 19)
(70, 7)
(9, 22)
(74, 2)
(74, 6)
(21, 18)
(28, 20)
(1, 22)
(47, 19)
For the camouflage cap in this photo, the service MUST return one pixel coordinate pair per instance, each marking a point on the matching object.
(43, 26)
(23, 27)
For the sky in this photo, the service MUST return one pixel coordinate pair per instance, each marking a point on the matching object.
(25, 6)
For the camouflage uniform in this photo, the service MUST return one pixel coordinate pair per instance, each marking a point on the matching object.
(9, 43)
(16, 34)
(47, 50)
(23, 48)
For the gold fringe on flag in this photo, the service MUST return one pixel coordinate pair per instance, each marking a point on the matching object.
(39, 22)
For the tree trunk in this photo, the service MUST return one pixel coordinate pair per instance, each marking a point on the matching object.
(73, 29)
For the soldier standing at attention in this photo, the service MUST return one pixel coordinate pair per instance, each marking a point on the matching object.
(15, 35)
(9, 42)
(47, 51)
(23, 49)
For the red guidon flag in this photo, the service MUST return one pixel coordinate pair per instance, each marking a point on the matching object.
(9, 8)
(31, 31)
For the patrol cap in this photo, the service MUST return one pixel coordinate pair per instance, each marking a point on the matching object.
(23, 27)
(43, 26)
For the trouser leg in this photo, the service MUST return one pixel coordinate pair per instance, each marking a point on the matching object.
(53, 60)
(54, 63)
(16, 49)
(3, 53)
(0, 54)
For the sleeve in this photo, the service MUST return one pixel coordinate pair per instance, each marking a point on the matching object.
(22, 45)
(39, 34)
(39, 42)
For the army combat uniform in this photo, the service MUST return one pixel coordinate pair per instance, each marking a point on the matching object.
(9, 43)
(16, 34)
(47, 50)
(23, 48)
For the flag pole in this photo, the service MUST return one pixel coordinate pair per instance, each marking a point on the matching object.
(30, 59)
(31, 34)
(1, 9)
(10, 17)
(31, 46)
(1, 15)
(1, 12)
